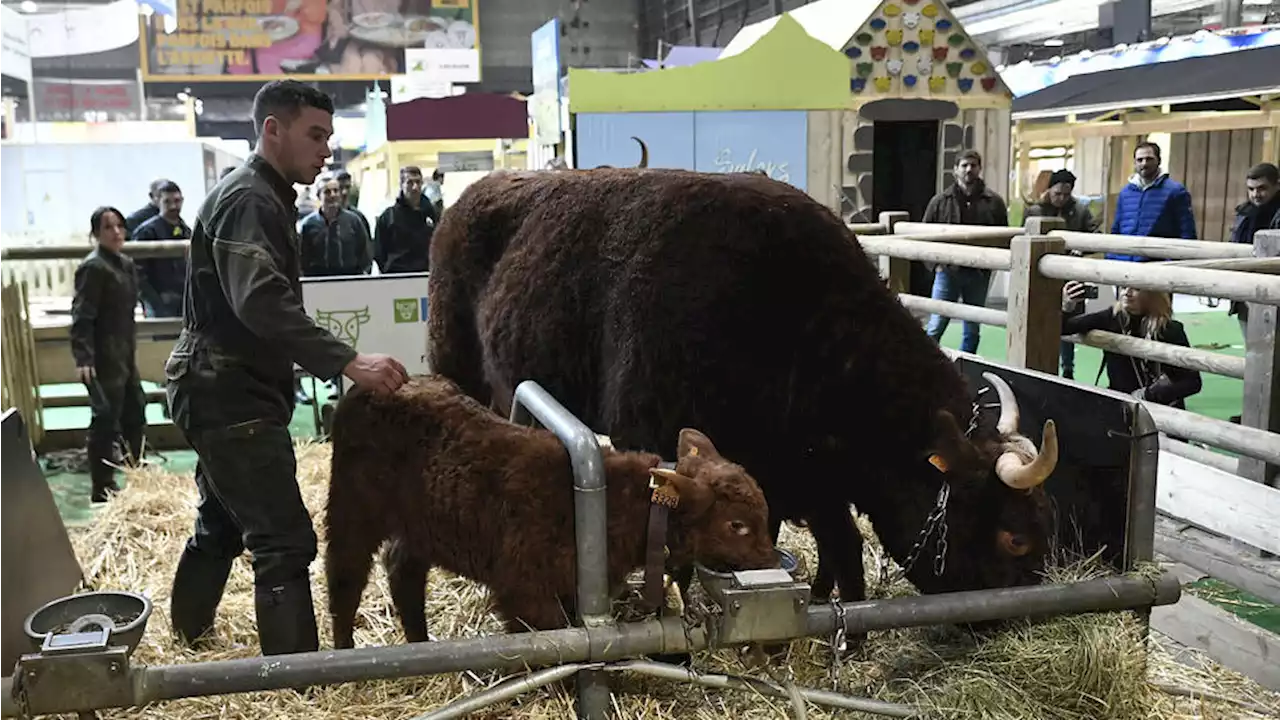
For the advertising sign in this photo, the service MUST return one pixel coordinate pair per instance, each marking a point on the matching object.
(775, 142)
(374, 313)
(546, 83)
(620, 139)
(81, 100)
(255, 40)
(443, 65)
(16, 60)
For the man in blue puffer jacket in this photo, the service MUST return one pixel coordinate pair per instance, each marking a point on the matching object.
(1152, 204)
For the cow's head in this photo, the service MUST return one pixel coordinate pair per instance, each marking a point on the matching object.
(999, 520)
(721, 520)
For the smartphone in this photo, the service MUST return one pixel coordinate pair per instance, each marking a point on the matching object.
(1090, 292)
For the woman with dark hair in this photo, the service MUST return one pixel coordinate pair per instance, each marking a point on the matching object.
(1144, 314)
(103, 342)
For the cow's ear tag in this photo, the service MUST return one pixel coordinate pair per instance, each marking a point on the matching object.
(693, 451)
(937, 461)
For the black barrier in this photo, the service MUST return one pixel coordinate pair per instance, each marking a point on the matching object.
(39, 564)
(1104, 487)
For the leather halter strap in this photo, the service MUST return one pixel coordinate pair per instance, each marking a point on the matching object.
(662, 500)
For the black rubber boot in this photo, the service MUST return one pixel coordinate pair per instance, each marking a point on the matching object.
(102, 478)
(286, 618)
(197, 590)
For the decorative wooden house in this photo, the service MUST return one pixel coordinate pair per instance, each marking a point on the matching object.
(921, 90)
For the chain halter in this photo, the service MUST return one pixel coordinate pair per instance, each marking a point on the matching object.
(936, 520)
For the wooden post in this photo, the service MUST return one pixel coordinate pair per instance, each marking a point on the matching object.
(1262, 369)
(1044, 225)
(1035, 304)
(899, 269)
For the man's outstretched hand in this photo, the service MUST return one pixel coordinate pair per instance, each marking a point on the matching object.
(380, 373)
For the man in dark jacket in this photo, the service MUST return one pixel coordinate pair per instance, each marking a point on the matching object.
(1058, 201)
(148, 211)
(402, 235)
(967, 202)
(351, 198)
(1260, 212)
(1152, 204)
(334, 241)
(230, 376)
(161, 279)
(104, 345)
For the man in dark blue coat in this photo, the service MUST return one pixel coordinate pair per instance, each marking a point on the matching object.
(1152, 204)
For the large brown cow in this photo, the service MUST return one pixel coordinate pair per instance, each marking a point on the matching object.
(648, 301)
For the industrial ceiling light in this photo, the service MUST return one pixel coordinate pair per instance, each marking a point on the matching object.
(1054, 42)
(28, 6)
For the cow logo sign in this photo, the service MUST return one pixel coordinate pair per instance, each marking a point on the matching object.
(410, 310)
(344, 324)
(406, 310)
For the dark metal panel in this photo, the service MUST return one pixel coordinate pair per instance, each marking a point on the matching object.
(1103, 490)
(38, 562)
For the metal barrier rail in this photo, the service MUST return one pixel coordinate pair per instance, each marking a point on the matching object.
(138, 686)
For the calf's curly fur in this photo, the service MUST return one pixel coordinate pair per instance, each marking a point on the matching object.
(455, 486)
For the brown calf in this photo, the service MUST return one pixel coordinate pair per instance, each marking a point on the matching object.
(458, 487)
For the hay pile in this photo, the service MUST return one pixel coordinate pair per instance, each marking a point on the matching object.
(1077, 668)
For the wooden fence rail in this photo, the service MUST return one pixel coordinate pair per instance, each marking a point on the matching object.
(1208, 502)
(1167, 353)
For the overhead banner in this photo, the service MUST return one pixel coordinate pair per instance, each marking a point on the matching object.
(546, 83)
(256, 40)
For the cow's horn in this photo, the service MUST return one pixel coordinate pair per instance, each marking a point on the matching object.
(644, 153)
(1007, 425)
(1020, 475)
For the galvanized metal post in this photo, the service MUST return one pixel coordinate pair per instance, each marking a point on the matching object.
(590, 524)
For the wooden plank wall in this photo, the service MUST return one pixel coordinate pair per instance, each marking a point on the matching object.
(1091, 163)
(826, 171)
(1212, 165)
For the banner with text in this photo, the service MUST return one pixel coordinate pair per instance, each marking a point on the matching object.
(81, 100)
(253, 40)
(773, 142)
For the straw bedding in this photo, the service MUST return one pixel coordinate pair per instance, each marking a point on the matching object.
(1079, 668)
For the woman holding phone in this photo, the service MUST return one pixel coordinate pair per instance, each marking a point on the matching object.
(104, 345)
(1142, 314)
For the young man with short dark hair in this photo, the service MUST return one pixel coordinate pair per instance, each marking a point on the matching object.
(161, 280)
(967, 202)
(230, 377)
(402, 235)
(148, 211)
(1152, 204)
(1260, 212)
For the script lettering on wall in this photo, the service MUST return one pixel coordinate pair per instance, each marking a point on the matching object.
(726, 163)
